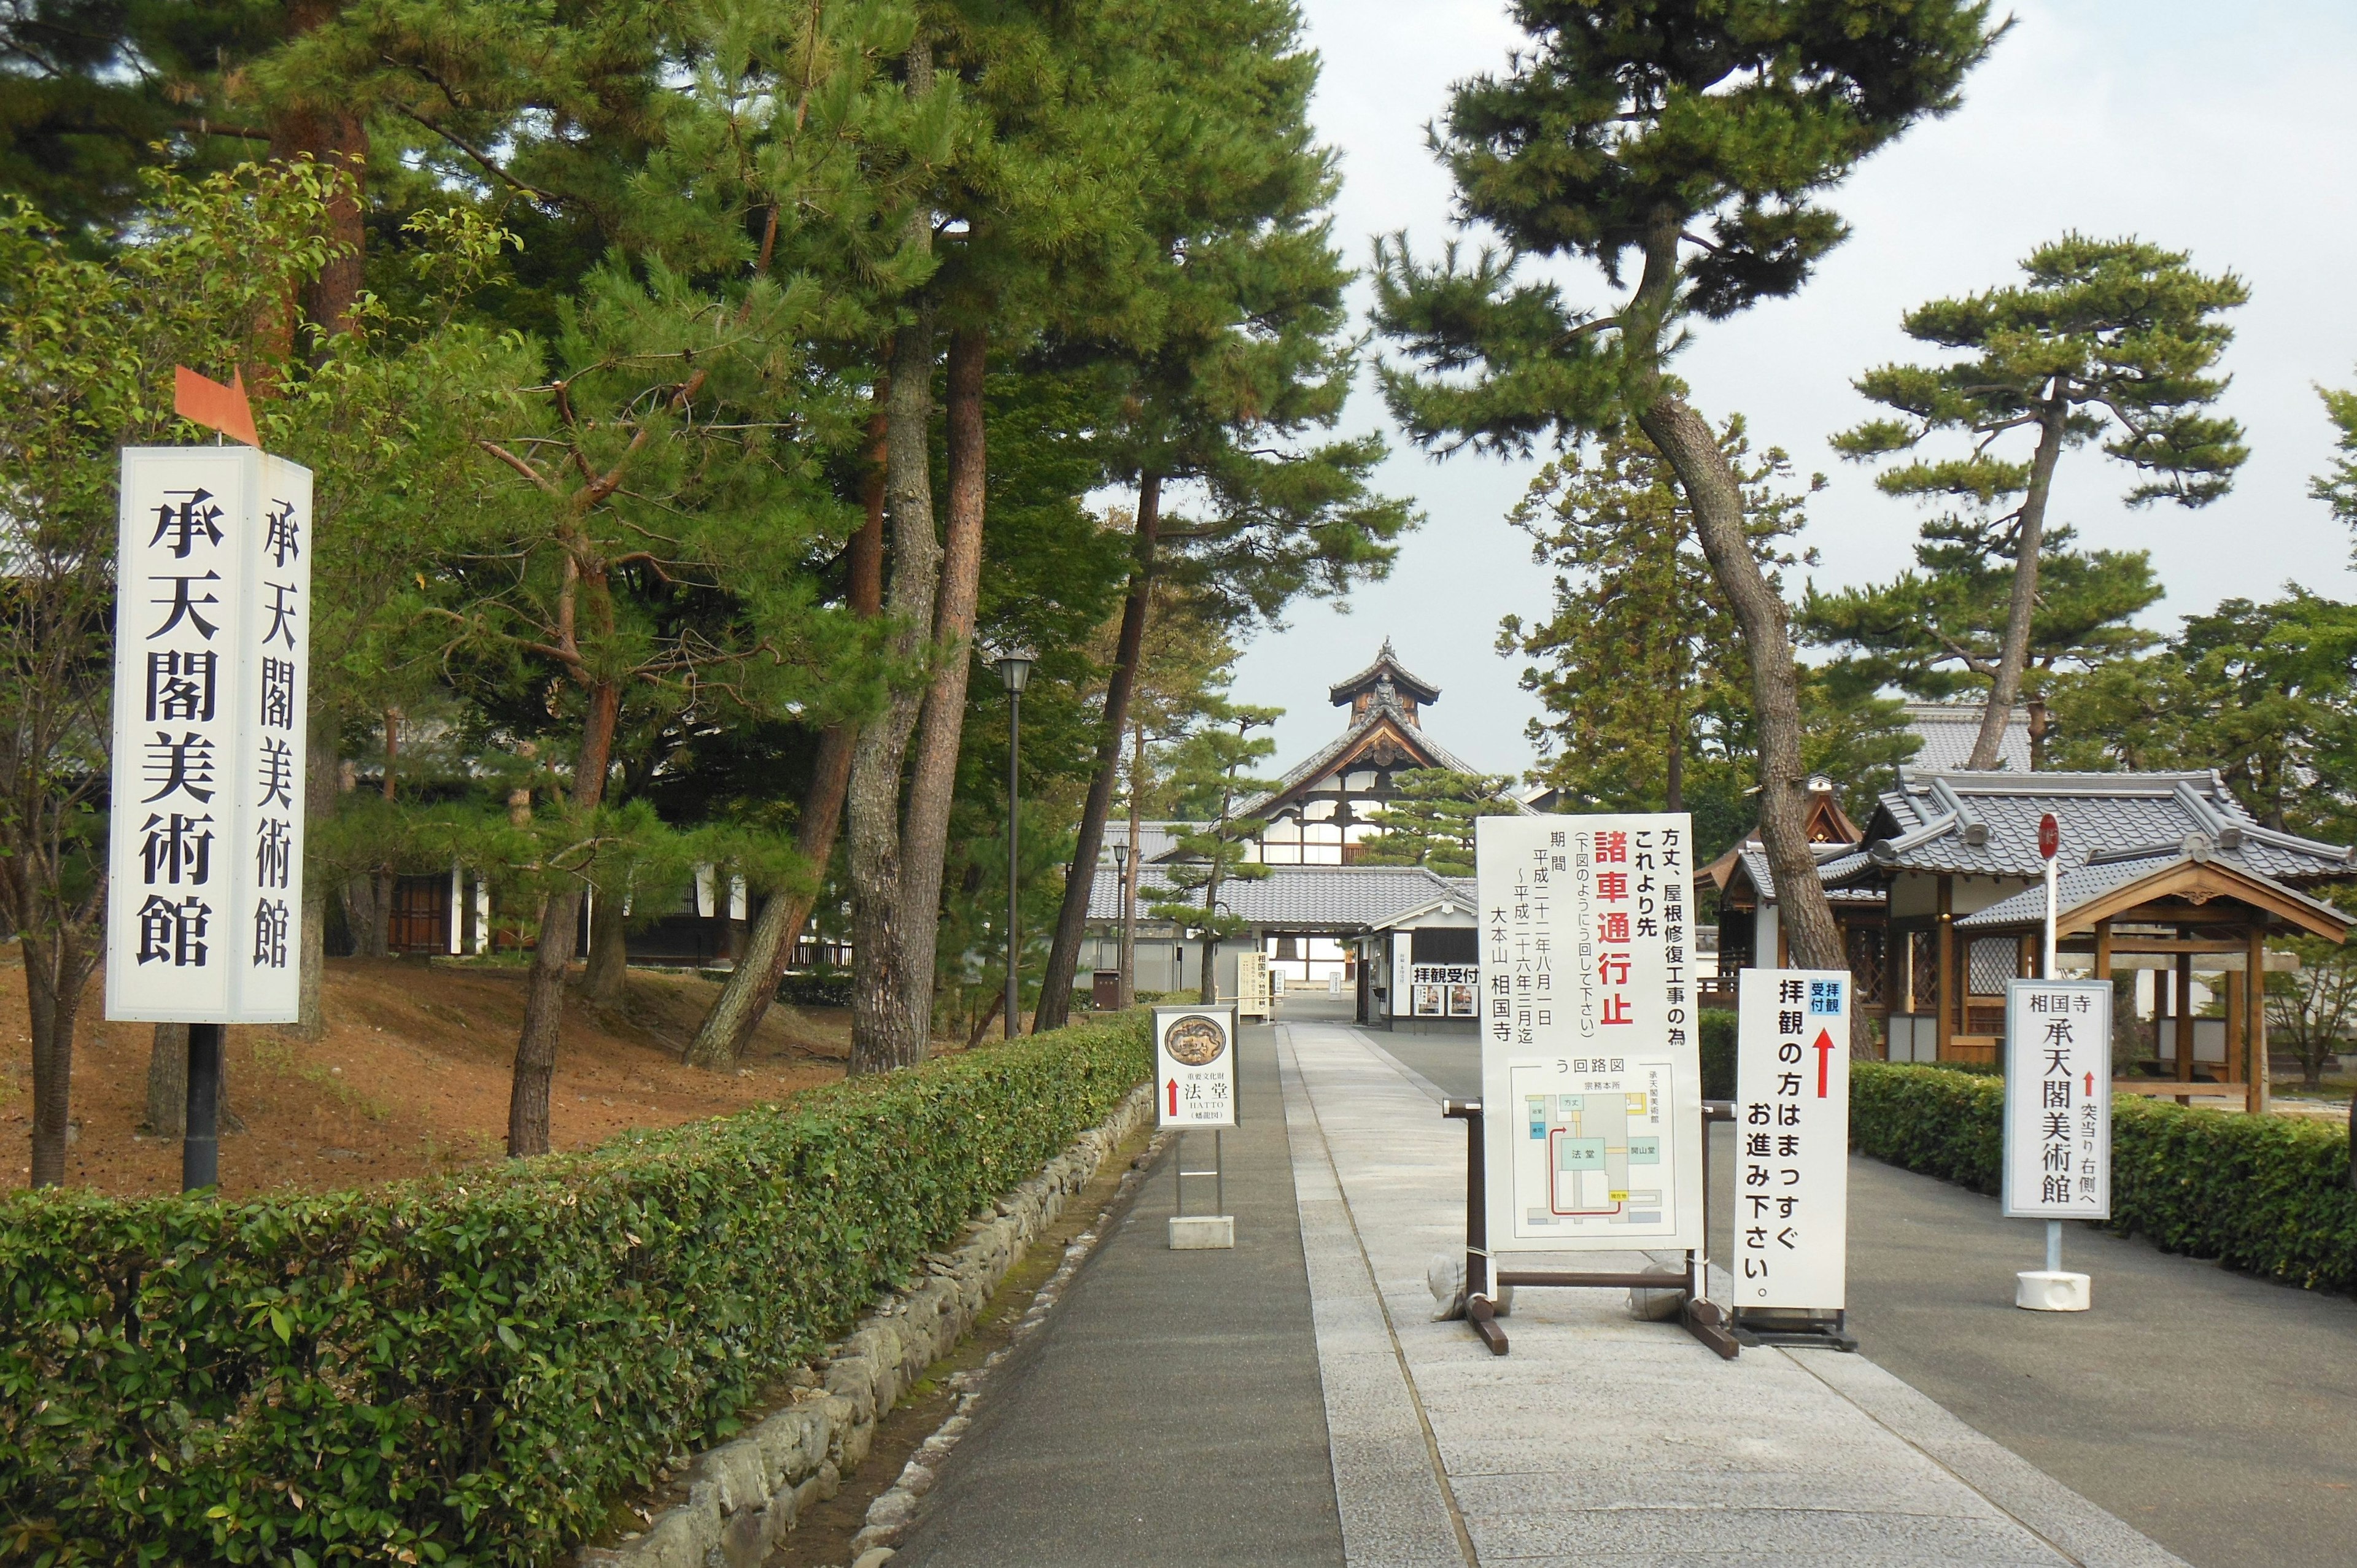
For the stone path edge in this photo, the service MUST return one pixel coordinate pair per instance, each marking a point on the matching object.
(744, 1495)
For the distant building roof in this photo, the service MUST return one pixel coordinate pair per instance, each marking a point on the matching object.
(2082, 885)
(1949, 729)
(1305, 898)
(1385, 667)
(1969, 823)
(1154, 839)
(1420, 747)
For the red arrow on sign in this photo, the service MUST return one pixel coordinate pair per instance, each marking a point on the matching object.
(1825, 1058)
(2091, 1086)
(1174, 1097)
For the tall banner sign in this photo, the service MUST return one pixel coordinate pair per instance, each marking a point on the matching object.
(1195, 1068)
(2058, 1099)
(212, 688)
(1591, 1081)
(1791, 1131)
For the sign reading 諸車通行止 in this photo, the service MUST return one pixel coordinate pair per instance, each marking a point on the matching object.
(1591, 1081)
(2058, 1099)
(1195, 1067)
(1792, 1139)
(211, 685)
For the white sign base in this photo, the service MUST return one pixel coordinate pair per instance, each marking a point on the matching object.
(2042, 1290)
(1202, 1232)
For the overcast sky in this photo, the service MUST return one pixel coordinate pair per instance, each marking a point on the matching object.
(2222, 130)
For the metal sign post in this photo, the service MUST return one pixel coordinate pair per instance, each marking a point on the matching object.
(1591, 1079)
(1195, 1090)
(2058, 1123)
(212, 692)
(1792, 1143)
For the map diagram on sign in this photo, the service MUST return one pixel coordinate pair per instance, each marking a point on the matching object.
(1593, 1156)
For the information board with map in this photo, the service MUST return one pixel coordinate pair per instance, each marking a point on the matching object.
(1591, 1080)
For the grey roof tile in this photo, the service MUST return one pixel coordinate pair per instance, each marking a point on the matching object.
(1347, 897)
(2083, 885)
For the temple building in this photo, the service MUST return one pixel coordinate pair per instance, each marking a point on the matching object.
(1381, 934)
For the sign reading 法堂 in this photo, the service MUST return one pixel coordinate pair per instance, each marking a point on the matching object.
(1591, 1082)
(211, 677)
(1195, 1068)
(1792, 1129)
(2058, 1099)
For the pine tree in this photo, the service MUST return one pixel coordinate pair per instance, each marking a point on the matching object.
(1208, 776)
(1699, 140)
(1429, 822)
(2107, 338)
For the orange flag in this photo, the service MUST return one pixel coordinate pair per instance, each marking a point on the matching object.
(205, 401)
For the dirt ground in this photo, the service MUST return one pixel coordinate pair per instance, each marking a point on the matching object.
(411, 1078)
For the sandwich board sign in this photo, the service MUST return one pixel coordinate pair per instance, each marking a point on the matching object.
(1591, 1079)
(1195, 1068)
(2058, 1099)
(211, 690)
(1792, 1139)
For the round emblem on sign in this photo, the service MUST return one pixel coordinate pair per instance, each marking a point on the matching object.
(1195, 1041)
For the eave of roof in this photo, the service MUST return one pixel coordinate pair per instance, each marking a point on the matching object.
(1423, 691)
(2083, 887)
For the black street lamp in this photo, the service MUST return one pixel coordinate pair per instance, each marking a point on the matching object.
(1014, 673)
(1124, 990)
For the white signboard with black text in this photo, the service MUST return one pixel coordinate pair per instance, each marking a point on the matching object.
(211, 676)
(1792, 1133)
(2058, 1099)
(1195, 1068)
(1591, 1081)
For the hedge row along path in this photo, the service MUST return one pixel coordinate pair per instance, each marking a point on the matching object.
(468, 1370)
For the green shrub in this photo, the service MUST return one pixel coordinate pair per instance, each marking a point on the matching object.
(2268, 1194)
(469, 1371)
(1715, 1033)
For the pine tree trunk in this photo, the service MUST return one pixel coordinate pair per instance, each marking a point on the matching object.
(1716, 498)
(167, 1083)
(752, 985)
(603, 977)
(318, 804)
(933, 782)
(543, 1005)
(880, 1036)
(2021, 610)
(1079, 881)
(1131, 866)
(56, 968)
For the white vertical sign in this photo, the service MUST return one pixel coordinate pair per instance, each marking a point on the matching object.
(1195, 1067)
(211, 689)
(1791, 1132)
(1591, 1081)
(2058, 1099)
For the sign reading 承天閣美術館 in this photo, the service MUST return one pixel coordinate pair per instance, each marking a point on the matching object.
(212, 688)
(1792, 1139)
(1195, 1068)
(2058, 1099)
(1591, 1081)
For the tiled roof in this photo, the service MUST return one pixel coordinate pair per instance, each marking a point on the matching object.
(2083, 885)
(1423, 691)
(1154, 839)
(1985, 824)
(1326, 757)
(1754, 856)
(1949, 729)
(1348, 898)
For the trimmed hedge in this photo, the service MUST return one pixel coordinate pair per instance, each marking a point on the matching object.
(2266, 1194)
(470, 1372)
(1714, 1038)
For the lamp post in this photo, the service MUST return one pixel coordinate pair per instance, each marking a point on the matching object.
(1013, 672)
(1125, 993)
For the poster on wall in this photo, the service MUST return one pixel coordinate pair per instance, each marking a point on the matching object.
(1591, 1079)
(1444, 990)
(211, 692)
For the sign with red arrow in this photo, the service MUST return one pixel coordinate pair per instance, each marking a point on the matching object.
(2056, 1160)
(1195, 1067)
(1792, 1139)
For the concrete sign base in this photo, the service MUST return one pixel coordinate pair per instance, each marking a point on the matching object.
(1202, 1232)
(2047, 1290)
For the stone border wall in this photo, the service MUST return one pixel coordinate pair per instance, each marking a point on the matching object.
(744, 1495)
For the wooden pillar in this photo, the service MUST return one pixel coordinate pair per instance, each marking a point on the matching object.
(1944, 983)
(2184, 1007)
(2103, 950)
(2254, 1024)
(2235, 1057)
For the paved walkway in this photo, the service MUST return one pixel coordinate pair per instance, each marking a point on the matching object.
(1182, 1407)
(1169, 1411)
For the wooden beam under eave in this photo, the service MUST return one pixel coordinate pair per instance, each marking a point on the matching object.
(2138, 902)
